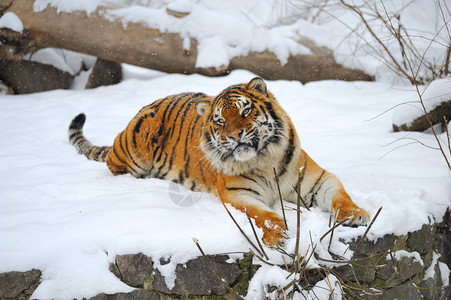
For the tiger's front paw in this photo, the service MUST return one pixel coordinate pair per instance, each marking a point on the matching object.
(274, 232)
(352, 216)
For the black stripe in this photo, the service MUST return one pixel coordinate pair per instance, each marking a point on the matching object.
(97, 153)
(188, 102)
(169, 108)
(202, 174)
(124, 152)
(275, 138)
(242, 189)
(74, 134)
(264, 179)
(288, 153)
(137, 129)
(248, 178)
(118, 158)
(180, 132)
(77, 140)
(181, 179)
(304, 168)
(162, 166)
(187, 166)
(186, 147)
(129, 154)
(173, 105)
(193, 127)
(105, 153)
(314, 202)
(159, 146)
(317, 181)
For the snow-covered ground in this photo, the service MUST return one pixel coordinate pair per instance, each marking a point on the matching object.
(70, 217)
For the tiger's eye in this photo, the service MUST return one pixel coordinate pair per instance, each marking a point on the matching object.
(246, 112)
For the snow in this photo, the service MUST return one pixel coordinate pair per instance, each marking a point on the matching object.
(61, 59)
(182, 6)
(89, 6)
(226, 29)
(70, 217)
(430, 272)
(398, 255)
(11, 21)
(445, 272)
(434, 94)
(217, 43)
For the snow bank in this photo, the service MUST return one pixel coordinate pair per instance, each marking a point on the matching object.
(445, 272)
(69, 217)
(11, 21)
(437, 92)
(61, 59)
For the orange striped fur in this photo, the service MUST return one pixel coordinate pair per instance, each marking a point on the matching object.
(226, 145)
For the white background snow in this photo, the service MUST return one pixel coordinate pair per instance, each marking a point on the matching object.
(69, 217)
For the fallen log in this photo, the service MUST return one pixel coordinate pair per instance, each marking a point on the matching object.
(136, 44)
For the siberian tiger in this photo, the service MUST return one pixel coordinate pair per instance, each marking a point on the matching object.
(225, 145)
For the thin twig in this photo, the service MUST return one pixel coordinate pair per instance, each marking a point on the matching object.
(298, 218)
(447, 134)
(332, 233)
(256, 237)
(393, 261)
(280, 197)
(239, 228)
(368, 229)
(261, 258)
(302, 200)
(333, 228)
(353, 260)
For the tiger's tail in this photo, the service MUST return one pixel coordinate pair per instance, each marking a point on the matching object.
(83, 146)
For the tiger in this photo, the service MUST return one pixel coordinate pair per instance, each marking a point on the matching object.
(231, 146)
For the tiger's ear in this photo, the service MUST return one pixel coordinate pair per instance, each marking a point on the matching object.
(202, 107)
(258, 85)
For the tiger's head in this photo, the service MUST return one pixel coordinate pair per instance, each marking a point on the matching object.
(244, 128)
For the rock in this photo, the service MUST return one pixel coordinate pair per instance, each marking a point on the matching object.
(104, 72)
(407, 291)
(363, 271)
(443, 238)
(134, 269)
(19, 285)
(367, 246)
(135, 295)
(26, 77)
(196, 278)
(422, 240)
(421, 124)
(248, 271)
(430, 285)
(407, 267)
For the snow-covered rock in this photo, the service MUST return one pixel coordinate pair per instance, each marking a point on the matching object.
(434, 98)
(11, 21)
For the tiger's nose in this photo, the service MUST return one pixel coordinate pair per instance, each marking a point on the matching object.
(236, 135)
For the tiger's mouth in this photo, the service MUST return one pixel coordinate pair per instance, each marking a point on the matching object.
(244, 151)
